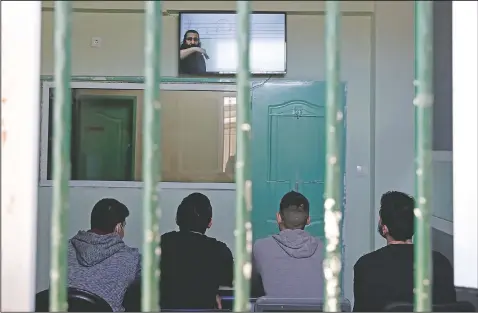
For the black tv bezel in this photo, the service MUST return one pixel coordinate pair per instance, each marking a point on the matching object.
(233, 74)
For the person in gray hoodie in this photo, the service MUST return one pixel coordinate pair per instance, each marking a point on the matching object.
(98, 259)
(289, 264)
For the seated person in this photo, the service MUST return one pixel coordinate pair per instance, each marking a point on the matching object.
(289, 264)
(193, 265)
(385, 276)
(98, 260)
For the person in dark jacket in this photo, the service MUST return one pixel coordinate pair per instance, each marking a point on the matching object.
(193, 265)
(385, 276)
(98, 259)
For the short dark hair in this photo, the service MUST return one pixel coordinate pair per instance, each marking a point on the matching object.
(107, 213)
(294, 210)
(396, 212)
(194, 213)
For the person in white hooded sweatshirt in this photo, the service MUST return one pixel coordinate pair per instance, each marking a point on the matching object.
(289, 264)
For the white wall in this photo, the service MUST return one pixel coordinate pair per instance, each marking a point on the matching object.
(377, 52)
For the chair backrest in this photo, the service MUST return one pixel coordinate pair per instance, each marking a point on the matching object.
(228, 303)
(460, 306)
(42, 303)
(269, 304)
(85, 301)
(467, 294)
(191, 310)
(78, 301)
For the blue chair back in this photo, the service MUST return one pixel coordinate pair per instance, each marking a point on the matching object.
(269, 304)
(460, 306)
(467, 294)
(191, 310)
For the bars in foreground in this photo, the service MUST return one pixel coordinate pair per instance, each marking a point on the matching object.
(151, 157)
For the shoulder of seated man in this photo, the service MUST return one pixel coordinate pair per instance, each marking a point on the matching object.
(365, 260)
(221, 245)
(260, 243)
(132, 251)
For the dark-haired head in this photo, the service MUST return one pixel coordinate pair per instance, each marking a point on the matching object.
(194, 213)
(396, 222)
(293, 212)
(109, 216)
(190, 39)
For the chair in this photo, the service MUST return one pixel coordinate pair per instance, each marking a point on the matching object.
(191, 310)
(460, 306)
(78, 301)
(228, 303)
(268, 304)
(132, 301)
(467, 294)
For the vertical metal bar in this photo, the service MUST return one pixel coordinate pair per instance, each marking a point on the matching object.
(243, 267)
(423, 153)
(61, 157)
(333, 173)
(465, 142)
(20, 141)
(151, 158)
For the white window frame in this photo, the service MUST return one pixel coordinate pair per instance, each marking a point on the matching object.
(44, 182)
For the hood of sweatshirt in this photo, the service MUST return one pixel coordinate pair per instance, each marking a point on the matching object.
(297, 243)
(92, 248)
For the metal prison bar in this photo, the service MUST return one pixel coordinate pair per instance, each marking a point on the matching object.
(243, 232)
(333, 173)
(423, 153)
(151, 158)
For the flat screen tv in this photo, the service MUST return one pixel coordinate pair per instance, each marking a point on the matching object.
(208, 44)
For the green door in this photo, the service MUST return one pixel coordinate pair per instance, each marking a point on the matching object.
(288, 151)
(105, 138)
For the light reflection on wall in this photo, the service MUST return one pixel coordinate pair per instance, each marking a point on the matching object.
(229, 158)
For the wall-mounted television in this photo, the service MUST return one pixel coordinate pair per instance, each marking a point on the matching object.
(208, 44)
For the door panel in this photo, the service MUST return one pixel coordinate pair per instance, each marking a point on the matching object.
(288, 151)
(135, 95)
(105, 139)
(311, 166)
(265, 222)
(280, 151)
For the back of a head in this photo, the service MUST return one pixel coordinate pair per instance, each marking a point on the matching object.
(294, 210)
(396, 212)
(107, 213)
(194, 213)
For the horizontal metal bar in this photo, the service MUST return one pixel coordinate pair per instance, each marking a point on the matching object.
(176, 12)
(164, 79)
